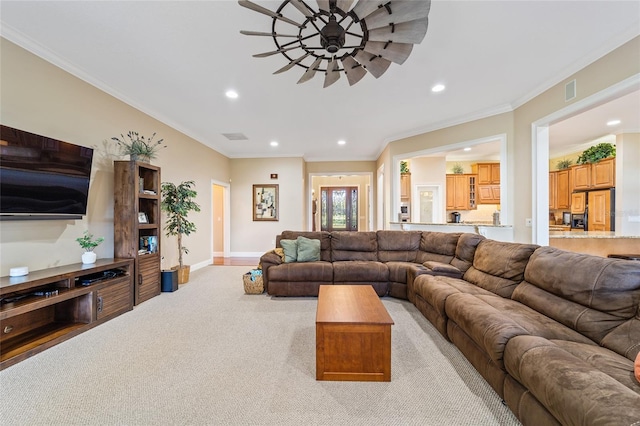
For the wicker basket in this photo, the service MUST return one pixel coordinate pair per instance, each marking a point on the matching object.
(252, 287)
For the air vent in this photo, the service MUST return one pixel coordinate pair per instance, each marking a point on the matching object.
(235, 136)
(570, 90)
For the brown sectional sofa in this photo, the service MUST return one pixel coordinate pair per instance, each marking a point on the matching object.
(554, 333)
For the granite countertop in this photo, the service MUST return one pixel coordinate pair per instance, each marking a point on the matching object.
(485, 224)
(589, 234)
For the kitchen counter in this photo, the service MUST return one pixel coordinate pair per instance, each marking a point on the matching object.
(588, 234)
(486, 229)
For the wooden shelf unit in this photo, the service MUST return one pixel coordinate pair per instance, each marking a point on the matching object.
(136, 191)
(32, 323)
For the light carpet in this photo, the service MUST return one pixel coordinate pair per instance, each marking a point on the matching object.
(208, 354)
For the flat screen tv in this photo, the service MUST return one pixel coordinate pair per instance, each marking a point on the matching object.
(41, 177)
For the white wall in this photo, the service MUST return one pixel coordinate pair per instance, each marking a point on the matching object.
(254, 238)
(628, 184)
(428, 171)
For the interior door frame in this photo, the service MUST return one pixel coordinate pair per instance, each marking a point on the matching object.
(347, 187)
(226, 196)
(310, 176)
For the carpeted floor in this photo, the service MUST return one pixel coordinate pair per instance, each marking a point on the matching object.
(208, 354)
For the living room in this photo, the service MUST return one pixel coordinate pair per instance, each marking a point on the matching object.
(40, 97)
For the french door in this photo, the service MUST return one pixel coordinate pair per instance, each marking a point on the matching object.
(339, 208)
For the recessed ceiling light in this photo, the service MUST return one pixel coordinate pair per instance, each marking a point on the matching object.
(341, 142)
(274, 143)
(231, 94)
(613, 122)
(467, 149)
(437, 88)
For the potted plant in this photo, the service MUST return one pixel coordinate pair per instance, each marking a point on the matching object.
(458, 169)
(137, 147)
(404, 167)
(564, 164)
(88, 243)
(597, 153)
(177, 202)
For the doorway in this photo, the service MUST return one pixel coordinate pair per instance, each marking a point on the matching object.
(220, 214)
(339, 208)
(428, 205)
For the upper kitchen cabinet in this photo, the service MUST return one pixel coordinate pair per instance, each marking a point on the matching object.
(488, 182)
(488, 173)
(461, 192)
(405, 186)
(559, 192)
(596, 175)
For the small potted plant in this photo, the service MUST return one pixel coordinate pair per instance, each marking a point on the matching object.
(137, 147)
(88, 243)
(458, 169)
(597, 153)
(564, 164)
(177, 202)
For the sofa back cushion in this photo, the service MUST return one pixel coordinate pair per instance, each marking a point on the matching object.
(323, 236)
(398, 246)
(351, 245)
(466, 250)
(499, 266)
(596, 296)
(437, 246)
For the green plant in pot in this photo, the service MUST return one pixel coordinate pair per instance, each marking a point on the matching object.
(404, 167)
(564, 164)
(597, 153)
(89, 243)
(139, 148)
(458, 169)
(177, 203)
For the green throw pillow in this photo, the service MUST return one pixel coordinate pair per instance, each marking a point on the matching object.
(308, 250)
(290, 250)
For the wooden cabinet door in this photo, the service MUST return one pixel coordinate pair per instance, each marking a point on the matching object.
(552, 189)
(459, 192)
(599, 216)
(563, 196)
(484, 174)
(495, 173)
(148, 284)
(578, 202)
(581, 176)
(603, 173)
(451, 192)
(115, 298)
(462, 194)
(405, 186)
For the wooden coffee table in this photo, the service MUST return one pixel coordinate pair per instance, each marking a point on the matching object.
(353, 335)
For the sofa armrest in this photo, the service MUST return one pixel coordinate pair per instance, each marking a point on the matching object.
(268, 260)
(439, 268)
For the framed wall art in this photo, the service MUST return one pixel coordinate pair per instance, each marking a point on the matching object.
(265, 202)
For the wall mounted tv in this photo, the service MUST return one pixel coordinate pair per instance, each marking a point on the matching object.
(41, 177)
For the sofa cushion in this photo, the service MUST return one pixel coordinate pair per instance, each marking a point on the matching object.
(591, 294)
(636, 367)
(398, 246)
(398, 271)
(359, 271)
(308, 249)
(439, 268)
(307, 271)
(499, 266)
(348, 245)
(290, 248)
(437, 246)
(435, 289)
(571, 388)
(323, 236)
(491, 321)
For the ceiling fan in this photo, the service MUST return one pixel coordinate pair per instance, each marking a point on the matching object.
(332, 37)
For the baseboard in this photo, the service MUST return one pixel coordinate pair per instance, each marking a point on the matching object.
(247, 254)
(201, 265)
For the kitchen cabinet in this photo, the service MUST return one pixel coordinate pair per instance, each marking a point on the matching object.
(599, 217)
(405, 186)
(488, 182)
(559, 194)
(597, 175)
(461, 192)
(488, 173)
(578, 202)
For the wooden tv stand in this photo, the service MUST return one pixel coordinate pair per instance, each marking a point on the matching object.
(47, 307)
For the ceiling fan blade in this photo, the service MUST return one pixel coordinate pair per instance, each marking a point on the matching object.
(407, 32)
(374, 64)
(265, 11)
(292, 64)
(400, 11)
(302, 8)
(332, 74)
(264, 55)
(324, 5)
(345, 5)
(395, 52)
(258, 33)
(311, 71)
(354, 70)
(364, 8)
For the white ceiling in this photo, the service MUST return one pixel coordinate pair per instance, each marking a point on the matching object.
(175, 60)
